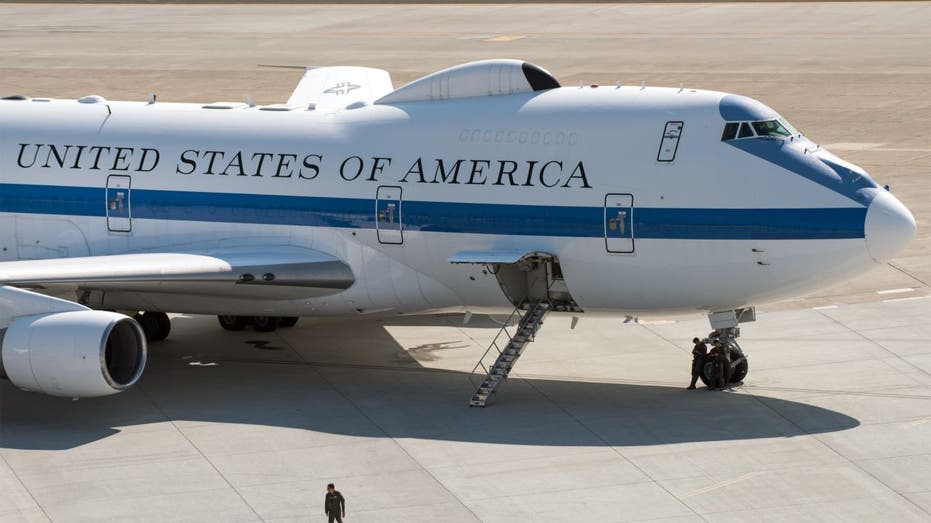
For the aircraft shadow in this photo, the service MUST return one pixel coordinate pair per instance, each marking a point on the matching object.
(244, 386)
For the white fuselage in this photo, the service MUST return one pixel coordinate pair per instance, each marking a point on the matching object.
(716, 227)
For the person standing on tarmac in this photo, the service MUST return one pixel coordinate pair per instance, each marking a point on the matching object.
(699, 356)
(722, 366)
(334, 505)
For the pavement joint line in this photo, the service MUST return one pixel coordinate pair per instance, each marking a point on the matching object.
(883, 347)
(25, 488)
(917, 423)
(382, 509)
(180, 431)
(725, 483)
(910, 275)
(898, 456)
(819, 393)
(850, 461)
(664, 338)
(614, 449)
(381, 429)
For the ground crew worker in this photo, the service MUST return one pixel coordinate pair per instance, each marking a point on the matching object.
(334, 505)
(699, 357)
(722, 365)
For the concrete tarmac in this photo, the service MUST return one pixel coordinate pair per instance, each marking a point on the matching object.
(833, 422)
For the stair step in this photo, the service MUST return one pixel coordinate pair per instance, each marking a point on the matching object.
(528, 326)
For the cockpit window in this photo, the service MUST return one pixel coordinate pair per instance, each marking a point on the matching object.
(792, 130)
(771, 128)
(767, 129)
(730, 131)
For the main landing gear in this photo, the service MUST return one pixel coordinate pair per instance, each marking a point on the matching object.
(726, 328)
(155, 325)
(259, 323)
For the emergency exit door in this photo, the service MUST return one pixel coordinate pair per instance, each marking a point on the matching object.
(619, 223)
(388, 215)
(119, 217)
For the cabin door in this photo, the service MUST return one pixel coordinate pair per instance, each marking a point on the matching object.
(388, 215)
(119, 218)
(619, 223)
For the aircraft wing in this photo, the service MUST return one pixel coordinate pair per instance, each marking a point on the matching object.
(275, 272)
(339, 87)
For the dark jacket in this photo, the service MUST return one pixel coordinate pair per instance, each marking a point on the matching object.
(334, 503)
(700, 352)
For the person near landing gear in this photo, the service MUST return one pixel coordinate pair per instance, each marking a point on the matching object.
(722, 366)
(699, 356)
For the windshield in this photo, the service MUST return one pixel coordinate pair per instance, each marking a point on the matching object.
(778, 128)
(771, 128)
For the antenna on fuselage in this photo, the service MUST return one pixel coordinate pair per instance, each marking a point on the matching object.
(250, 102)
(151, 98)
(643, 84)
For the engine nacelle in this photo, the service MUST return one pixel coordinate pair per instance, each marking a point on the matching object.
(75, 354)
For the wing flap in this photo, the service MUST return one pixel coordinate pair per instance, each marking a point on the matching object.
(316, 272)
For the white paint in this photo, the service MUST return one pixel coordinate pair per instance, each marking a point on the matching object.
(896, 291)
(475, 111)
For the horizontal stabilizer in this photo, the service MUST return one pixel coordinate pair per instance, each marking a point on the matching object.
(341, 86)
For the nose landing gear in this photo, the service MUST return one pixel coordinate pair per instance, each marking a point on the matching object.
(737, 359)
(727, 330)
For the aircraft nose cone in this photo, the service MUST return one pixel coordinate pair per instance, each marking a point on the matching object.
(889, 227)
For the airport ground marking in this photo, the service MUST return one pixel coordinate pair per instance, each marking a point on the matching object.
(911, 298)
(505, 38)
(902, 290)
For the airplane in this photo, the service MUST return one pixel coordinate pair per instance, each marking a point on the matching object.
(486, 187)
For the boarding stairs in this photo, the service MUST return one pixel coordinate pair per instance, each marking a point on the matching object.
(514, 341)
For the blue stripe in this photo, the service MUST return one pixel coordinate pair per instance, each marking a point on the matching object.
(791, 155)
(476, 218)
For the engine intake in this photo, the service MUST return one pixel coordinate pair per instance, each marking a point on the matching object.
(75, 354)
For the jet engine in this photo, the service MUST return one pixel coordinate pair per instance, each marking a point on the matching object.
(75, 354)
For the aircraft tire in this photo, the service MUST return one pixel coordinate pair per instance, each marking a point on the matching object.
(740, 371)
(265, 323)
(707, 373)
(288, 321)
(233, 323)
(155, 325)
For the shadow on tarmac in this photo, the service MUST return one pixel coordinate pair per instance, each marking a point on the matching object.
(241, 385)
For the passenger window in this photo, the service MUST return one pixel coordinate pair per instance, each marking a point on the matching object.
(745, 131)
(730, 131)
